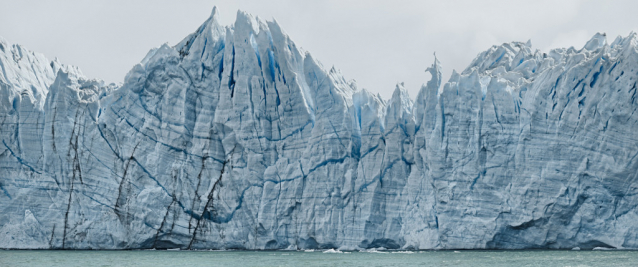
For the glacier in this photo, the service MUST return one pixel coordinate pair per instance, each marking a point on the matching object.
(235, 138)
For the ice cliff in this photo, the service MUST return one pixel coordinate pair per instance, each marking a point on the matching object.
(237, 139)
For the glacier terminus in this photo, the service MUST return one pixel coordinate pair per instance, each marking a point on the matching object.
(235, 138)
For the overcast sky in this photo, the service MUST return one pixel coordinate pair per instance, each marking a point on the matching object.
(377, 43)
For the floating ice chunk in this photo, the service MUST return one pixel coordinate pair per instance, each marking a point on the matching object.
(603, 248)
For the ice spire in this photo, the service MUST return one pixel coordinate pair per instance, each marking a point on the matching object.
(435, 71)
(529, 43)
(427, 97)
(213, 14)
(206, 36)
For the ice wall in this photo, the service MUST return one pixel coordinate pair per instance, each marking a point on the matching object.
(237, 139)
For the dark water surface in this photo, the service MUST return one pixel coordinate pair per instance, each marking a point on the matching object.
(318, 258)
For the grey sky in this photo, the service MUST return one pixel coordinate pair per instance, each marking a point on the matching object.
(377, 43)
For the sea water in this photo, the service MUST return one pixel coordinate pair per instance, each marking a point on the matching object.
(157, 258)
